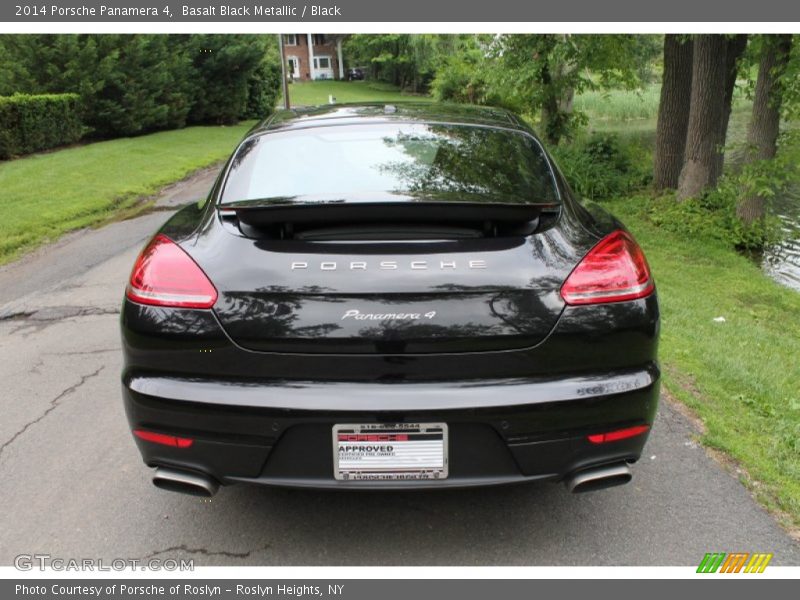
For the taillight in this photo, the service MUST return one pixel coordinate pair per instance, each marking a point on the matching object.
(164, 275)
(613, 271)
(163, 439)
(619, 434)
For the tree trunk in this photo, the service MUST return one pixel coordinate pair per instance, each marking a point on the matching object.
(673, 112)
(557, 103)
(549, 109)
(705, 116)
(751, 209)
(566, 103)
(762, 132)
(551, 120)
(566, 100)
(733, 52)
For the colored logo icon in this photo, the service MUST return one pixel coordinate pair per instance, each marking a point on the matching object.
(736, 562)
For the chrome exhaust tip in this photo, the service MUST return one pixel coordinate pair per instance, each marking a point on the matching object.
(185, 482)
(598, 478)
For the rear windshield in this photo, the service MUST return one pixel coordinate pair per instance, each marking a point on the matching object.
(448, 162)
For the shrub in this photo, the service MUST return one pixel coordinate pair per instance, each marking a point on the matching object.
(129, 84)
(601, 166)
(222, 66)
(459, 81)
(142, 85)
(32, 123)
(463, 79)
(263, 89)
(713, 214)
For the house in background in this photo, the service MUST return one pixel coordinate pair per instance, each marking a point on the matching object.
(312, 56)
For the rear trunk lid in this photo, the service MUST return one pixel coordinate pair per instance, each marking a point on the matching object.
(388, 277)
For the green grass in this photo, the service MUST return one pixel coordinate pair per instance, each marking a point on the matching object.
(46, 195)
(741, 376)
(316, 92)
(619, 105)
(633, 113)
(630, 105)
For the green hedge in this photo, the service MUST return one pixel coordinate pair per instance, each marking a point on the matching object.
(29, 123)
(135, 84)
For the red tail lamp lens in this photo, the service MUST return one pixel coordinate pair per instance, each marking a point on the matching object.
(614, 270)
(619, 434)
(163, 439)
(164, 275)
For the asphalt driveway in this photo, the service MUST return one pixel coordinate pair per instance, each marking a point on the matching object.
(74, 485)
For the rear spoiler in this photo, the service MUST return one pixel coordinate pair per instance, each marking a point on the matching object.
(331, 213)
(401, 218)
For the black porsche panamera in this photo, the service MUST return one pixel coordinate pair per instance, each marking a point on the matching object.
(402, 296)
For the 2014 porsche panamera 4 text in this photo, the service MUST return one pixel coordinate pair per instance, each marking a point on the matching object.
(403, 298)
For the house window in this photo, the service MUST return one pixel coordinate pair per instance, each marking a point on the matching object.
(318, 39)
(322, 62)
(290, 39)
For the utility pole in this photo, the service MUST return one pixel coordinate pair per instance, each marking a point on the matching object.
(284, 83)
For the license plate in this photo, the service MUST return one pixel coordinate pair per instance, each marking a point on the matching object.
(390, 452)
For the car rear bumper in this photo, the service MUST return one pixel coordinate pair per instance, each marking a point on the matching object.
(500, 431)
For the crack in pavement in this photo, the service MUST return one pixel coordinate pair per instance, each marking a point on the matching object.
(44, 317)
(18, 315)
(205, 552)
(82, 352)
(54, 403)
(55, 313)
